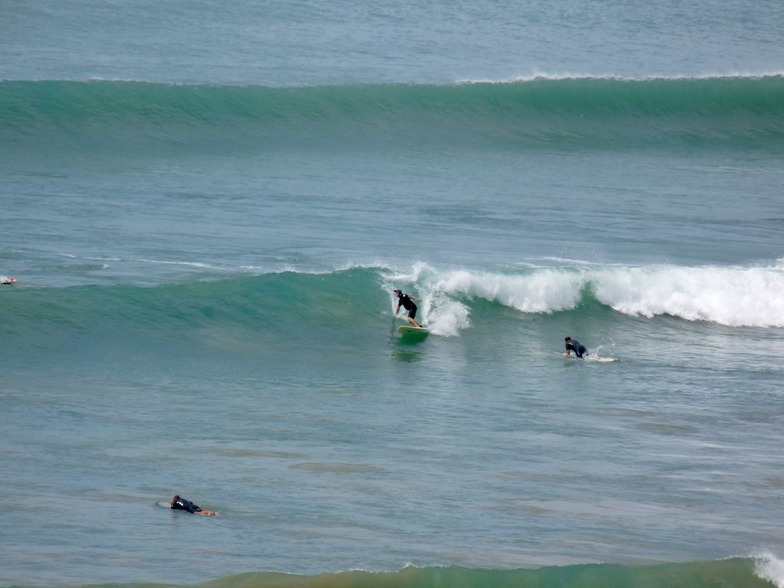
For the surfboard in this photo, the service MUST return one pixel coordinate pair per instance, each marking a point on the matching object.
(593, 358)
(163, 504)
(412, 329)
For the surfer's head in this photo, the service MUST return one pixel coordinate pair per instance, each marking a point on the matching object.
(567, 338)
(398, 292)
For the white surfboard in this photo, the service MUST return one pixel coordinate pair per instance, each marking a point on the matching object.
(412, 329)
(163, 504)
(593, 358)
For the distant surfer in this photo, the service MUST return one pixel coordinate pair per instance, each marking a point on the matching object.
(5, 280)
(574, 345)
(178, 503)
(407, 302)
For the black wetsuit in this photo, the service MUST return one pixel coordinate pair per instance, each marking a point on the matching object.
(408, 304)
(182, 504)
(577, 347)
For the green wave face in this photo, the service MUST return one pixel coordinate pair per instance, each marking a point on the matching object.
(570, 113)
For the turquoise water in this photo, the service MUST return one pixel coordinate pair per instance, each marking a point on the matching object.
(207, 208)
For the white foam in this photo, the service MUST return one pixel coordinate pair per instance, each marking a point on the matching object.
(770, 568)
(445, 317)
(735, 297)
(538, 75)
(730, 296)
(544, 290)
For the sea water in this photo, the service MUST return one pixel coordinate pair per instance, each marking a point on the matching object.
(208, 205)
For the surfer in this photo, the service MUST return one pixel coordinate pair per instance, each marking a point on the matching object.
(178, 503)
(574, 345)
(7, 281)
(406, 302)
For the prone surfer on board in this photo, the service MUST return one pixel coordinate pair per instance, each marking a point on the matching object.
(406, 302)
(178, 503)
(574, 345)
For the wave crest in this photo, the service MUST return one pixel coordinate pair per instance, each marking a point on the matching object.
(733, 297)
(769, 567)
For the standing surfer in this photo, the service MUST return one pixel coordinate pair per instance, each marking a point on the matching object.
(407, 302)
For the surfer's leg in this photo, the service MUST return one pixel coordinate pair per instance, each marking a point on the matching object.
(412, 317)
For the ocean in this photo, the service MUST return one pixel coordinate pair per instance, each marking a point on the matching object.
(207, 207)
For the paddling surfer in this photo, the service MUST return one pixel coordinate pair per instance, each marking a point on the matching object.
(178, 503)
(574, 345)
